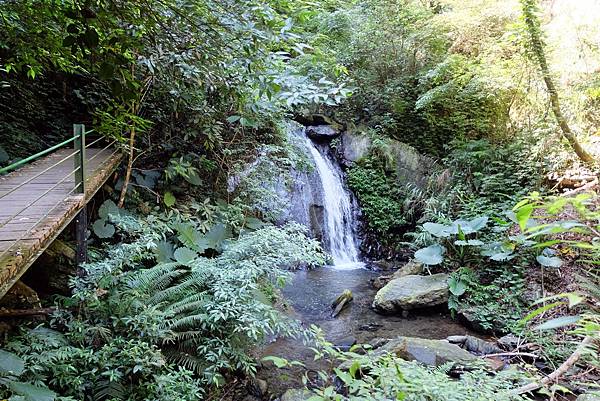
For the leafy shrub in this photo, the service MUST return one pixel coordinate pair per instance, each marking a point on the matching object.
(379, 195)
(152, 323)
(385, 377)
(488, 178)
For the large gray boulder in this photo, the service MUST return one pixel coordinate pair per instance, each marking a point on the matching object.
(411, 166)
(355, 144)
(412, 292)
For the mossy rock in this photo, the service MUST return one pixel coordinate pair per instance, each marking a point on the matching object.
(412, 292)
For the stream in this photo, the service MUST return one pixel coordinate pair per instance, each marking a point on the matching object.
(311, 292)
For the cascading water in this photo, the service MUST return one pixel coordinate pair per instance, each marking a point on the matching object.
(338, 212)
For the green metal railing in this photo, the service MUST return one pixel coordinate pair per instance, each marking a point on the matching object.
(78, 155)
(78, 134)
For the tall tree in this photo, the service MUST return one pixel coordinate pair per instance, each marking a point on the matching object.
(532, 22)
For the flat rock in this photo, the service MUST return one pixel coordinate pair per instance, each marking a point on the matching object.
(428, 352)
(475, 345)
(412, 292)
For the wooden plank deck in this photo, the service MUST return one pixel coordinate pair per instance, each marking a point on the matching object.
(38, 201)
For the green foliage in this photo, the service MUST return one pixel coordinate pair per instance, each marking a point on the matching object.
(150, 327)
(490, 178)
(383, 376)
(380, 197)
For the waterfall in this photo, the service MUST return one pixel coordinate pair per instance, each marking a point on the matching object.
(338, 212)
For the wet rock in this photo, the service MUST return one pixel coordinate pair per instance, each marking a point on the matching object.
(345, 343)
(475, 345)
(341, 302)
(370, 326)
(322, 133)
(410, 166)
(425, 351)
(468, 315)
(318, 119)
(380, 282)
(355, 145)
(412, 292)
(509, 342)
(262, 386)
(378, 342)
(410, 268)
(589, 397)
(296, 395)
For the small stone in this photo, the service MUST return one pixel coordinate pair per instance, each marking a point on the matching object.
(370, 326)
(262, 386)
(345, 343)
(378, 342)
(509, 342)
(341, 302)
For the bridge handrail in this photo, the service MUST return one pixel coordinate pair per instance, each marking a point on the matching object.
(31, 158)
(79, 171)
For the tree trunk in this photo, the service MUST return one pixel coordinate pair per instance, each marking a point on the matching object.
(129, 167)
(534, 30)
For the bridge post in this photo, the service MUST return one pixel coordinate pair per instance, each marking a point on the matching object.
(81, 221)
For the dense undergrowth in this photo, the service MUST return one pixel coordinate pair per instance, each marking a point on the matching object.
(154, 320)
(177, 298)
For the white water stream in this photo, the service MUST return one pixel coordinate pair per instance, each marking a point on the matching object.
(338, 213)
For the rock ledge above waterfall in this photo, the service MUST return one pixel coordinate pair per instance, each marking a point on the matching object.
(322, 133)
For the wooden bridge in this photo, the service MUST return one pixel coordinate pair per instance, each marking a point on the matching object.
(38, 200)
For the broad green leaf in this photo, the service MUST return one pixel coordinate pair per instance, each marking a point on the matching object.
(169, 199)
(456, 286)
(254, 224)
(31, 392)
(478, 223)
(523, 214)
(355, 367)
(343, 376)
(184, 255)
(438, 230)
(107, 208)
(432, 255)
(549, 261)
(194, 179)
(277, 361)
(216, 235)
(164, 251)
(103, 229)
(11, 363)
(558, 322)
(188, 235)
